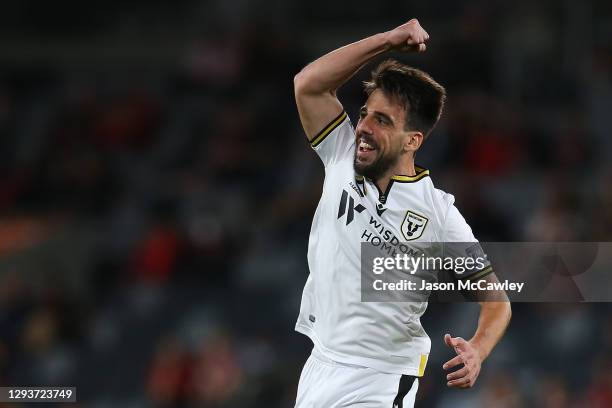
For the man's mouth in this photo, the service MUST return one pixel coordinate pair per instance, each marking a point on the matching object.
(365, 146)
(365, 149)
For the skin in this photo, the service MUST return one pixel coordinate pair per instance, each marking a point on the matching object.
(495, 314)
(316, 84)
(382, 123)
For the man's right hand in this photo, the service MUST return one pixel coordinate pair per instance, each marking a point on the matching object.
(409, 37)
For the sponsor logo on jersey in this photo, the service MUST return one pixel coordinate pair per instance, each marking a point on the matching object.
(413, 225)
(348, 207)
(383, 238)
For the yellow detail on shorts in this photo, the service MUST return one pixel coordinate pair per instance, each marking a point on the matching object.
(422, 365)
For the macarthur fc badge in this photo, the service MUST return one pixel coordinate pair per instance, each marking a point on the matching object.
(413, 225)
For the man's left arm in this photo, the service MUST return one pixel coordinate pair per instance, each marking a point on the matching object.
(495, 309)
(495, 313)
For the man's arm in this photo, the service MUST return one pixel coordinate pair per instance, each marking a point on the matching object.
(492, 323)
(316, 85)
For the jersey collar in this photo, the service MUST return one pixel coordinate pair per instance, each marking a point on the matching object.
(421, 173)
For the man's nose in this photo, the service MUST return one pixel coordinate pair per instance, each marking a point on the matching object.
(364, 126)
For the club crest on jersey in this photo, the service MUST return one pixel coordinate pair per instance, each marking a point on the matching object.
(413, 225)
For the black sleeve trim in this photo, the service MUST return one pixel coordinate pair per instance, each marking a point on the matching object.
(480, 274)
(328, 129)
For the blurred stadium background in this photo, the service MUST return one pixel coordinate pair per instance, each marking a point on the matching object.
(157, 190)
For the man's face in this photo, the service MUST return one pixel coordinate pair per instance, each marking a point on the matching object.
(380, 135)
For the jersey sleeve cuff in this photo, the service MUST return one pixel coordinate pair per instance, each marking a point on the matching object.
(328, 129)
(477, 275)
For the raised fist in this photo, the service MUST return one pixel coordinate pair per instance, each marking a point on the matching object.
(409, 37)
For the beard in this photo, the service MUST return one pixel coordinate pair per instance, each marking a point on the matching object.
(378, 167)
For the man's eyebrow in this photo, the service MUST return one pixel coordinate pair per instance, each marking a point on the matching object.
(384, 116)
(377, 113)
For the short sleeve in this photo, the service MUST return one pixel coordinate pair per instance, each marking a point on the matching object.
(461, 245)
(336, 141)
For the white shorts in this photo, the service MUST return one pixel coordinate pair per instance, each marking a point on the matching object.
(328, 384)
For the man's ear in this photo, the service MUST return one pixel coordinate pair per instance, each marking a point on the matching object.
(413, 141)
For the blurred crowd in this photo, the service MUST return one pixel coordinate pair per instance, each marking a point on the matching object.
(154, 216)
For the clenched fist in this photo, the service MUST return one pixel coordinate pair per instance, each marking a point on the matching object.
(409, 37)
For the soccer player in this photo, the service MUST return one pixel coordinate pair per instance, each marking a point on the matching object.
(370, 354)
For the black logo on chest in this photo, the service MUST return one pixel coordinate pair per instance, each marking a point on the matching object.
(348, 207)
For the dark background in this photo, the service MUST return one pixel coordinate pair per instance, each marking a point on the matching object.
(156, 190)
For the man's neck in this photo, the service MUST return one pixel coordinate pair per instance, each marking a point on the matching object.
(406, 169)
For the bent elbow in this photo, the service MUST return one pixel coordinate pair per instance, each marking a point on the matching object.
(307, 83)
(299, 82)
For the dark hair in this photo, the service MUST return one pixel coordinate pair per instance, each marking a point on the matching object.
(419, 94)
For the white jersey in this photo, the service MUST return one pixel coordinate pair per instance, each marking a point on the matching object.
(384, 336)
